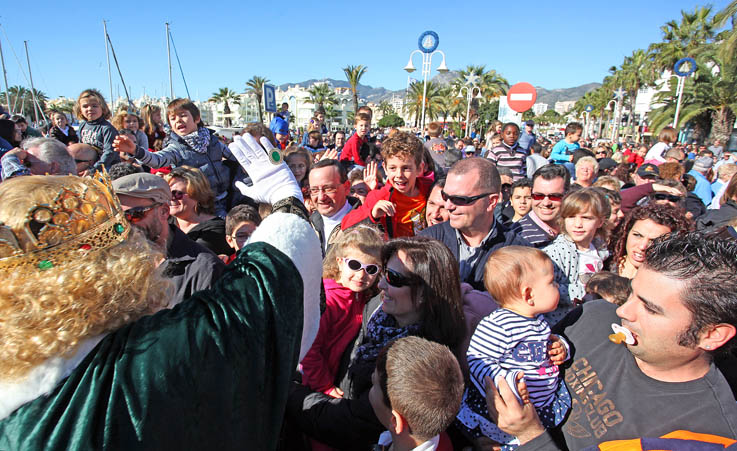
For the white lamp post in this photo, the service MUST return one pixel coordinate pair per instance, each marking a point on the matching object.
(470, 86)
(428, 44)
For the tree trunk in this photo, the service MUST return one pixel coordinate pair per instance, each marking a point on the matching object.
(260, 113)
(355, 102)
(722, 121)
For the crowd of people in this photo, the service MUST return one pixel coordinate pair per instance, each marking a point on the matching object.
(166, 287)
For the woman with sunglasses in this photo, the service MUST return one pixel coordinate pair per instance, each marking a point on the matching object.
(420, 296)
(637, 231)
(350, 271)
(193, 207)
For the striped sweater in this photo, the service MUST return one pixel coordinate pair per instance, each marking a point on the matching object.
(514, 158)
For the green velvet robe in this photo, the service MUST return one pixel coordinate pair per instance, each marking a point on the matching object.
(212, 373)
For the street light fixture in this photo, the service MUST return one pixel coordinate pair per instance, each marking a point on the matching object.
(469, 86)
(428, 44)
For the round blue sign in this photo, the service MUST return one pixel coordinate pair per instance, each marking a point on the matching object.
(691, 66)
(589, 108)
(428, 41)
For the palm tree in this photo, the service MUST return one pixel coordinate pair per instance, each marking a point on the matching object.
(321, 95)
(225, 95)
(683, 39)
(413, 106)
(354, 74)
(385, 108)
(256, 87)
(728, 37)
(492, 84)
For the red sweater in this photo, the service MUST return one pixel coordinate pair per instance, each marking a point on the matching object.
(384, 193)
(339, 325)
(351, 150)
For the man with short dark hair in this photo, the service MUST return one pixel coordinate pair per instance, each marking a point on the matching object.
(472, 191)
(145, 199)
(329, 188)
(540, 226)
(661, 381)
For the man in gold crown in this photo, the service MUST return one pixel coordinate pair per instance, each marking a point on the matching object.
(89, 359)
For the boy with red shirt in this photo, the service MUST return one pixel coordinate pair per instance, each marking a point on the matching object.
(352, 148)
(400, 204)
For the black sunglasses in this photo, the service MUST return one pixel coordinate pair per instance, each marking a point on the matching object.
(177, 195)
(396, 279)
(462, 201)
(136, 214)
(668, 197)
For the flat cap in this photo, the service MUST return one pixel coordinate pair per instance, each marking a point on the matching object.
(143, 186)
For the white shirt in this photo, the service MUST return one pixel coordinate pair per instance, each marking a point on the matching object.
(385, 439)
(329, 223)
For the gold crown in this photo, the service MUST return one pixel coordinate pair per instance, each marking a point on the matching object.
(74, 224)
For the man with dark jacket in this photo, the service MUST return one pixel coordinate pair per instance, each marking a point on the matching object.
(472, 190)
(145, 200)
(329, 188)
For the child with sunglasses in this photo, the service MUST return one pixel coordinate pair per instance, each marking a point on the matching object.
(514, 343)
(350, 273)
(579, 250)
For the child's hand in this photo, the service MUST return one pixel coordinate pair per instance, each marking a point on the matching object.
(383, 208)
(370, 175)
(122, 143)
(516, 419)
(330, 155)
(335, 392)
(556, 350)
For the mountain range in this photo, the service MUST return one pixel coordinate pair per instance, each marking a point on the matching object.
(376, 95)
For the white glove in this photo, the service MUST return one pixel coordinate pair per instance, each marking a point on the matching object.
(272, 178)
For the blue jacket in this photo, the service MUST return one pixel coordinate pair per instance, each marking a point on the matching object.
(703, 187)
(100, 134)
(562, 151)
(178, 153)
(526, 140)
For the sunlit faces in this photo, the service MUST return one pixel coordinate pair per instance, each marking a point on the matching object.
(362, 128)
(475, 215)
(131, 123)
(327, 193)
(582, 227)
(615, 216)
(521, 201)
(298, 165)
(182, 122)
(180, 203)
(658, 318)
(359, 280)
(641, 235)
(359, 190)
(60, 120)
(510, 135)
(575, 137)
(547, 209)
(585, 173)
(91, 108)
(398, 301)
(240, 235)
(435, 211)
(339, 140)
(402, 171)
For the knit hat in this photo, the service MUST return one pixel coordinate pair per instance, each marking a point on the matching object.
(703, 163)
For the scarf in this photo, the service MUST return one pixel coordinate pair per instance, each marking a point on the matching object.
(382, 329)
(199, 140)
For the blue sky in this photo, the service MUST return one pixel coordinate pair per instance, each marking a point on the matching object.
(224, 43)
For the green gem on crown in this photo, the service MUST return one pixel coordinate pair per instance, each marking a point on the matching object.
(43, 265)
(118, 228)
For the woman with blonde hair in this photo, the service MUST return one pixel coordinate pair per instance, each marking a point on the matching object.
(193, 206)
(90, 360)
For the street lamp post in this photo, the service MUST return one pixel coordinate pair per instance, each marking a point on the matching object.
(469, 86)
(428, 44)
(619, 97)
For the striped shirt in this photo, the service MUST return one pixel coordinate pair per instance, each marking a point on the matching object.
(514, 158)
(506, 341)
(528, 229)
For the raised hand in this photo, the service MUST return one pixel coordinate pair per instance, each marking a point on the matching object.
(124, 144)
(370, 175)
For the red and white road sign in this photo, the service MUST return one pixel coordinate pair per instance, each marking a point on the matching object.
(521, 97)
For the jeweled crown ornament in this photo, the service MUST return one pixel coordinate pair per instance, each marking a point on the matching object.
(78, 221)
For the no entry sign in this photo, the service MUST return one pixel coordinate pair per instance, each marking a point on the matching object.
(521, 97)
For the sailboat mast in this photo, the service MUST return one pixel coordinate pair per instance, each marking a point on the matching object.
(168, 56)
(5, 76)
(33, 90)
(109, 73)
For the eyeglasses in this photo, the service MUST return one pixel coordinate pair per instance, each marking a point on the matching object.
(396, 279)
(330, 189)
(177, 195)
(664, 196)
(355, 265)
(136, 214)
(83, 161)
(554, 197)
(462, 201)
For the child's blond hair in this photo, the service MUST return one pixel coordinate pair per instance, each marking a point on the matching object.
(97, 95)
(508, 268)
(362, 237)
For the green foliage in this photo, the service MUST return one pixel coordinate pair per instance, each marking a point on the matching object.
(321, 95)
(353, 74)
(256, 87)
(391, 120)
(225, 95)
